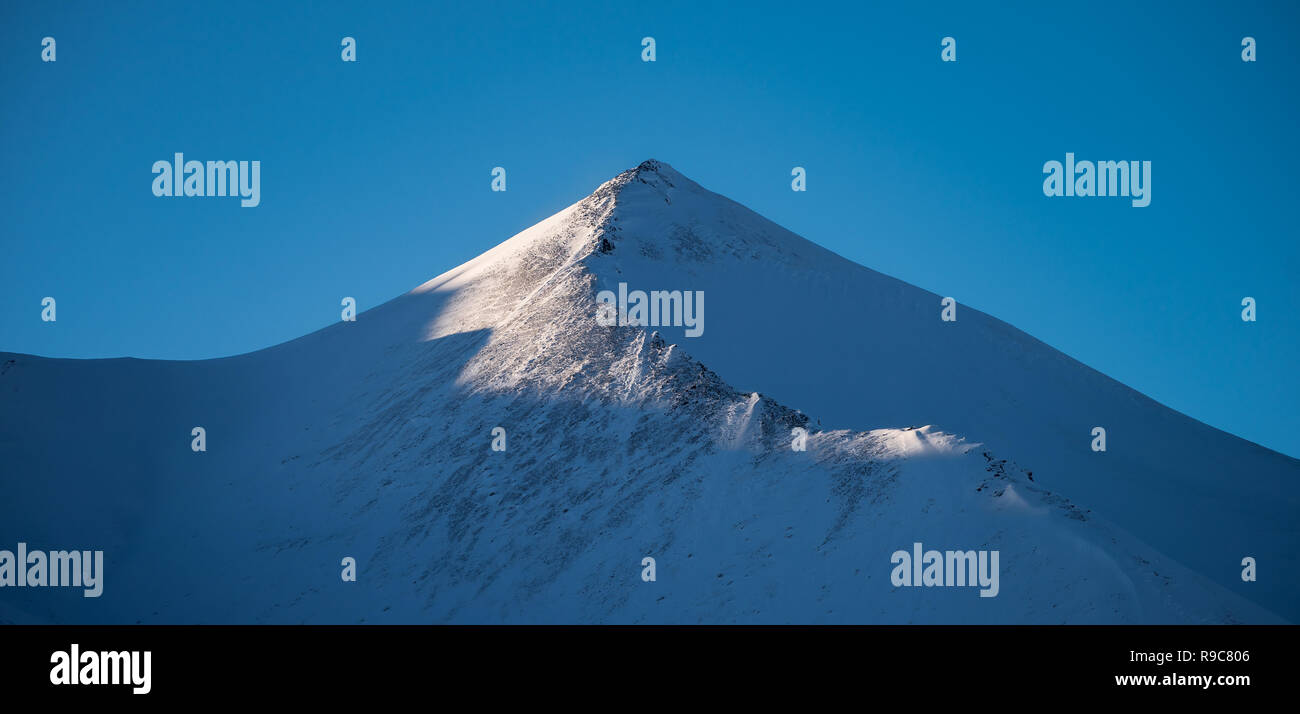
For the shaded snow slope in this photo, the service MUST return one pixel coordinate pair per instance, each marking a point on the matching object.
(862, 350)
(371, 440)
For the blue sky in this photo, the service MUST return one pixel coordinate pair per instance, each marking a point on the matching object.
(375, 175)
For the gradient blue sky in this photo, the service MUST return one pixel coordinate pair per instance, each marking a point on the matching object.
(375, 175)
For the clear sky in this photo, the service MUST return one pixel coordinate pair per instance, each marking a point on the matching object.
(376, 174)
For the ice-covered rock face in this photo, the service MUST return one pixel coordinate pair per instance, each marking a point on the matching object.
(772, 467)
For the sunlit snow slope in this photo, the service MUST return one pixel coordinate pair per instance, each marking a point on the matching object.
(371, 440)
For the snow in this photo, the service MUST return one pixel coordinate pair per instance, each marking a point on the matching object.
(371, 440)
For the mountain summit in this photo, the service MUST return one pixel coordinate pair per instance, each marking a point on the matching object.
(486, 450)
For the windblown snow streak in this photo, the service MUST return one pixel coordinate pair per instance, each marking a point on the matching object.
(371, 440)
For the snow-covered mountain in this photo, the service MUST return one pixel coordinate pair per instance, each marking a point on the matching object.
(372, 440)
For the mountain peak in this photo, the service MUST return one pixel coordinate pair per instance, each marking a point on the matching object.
(658, 175)
(653, 166)
(656, 211)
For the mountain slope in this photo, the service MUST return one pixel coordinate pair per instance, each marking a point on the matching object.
(859, 349)
(371, 440)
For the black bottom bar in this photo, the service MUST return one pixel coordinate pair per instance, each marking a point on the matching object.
(923, 664)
